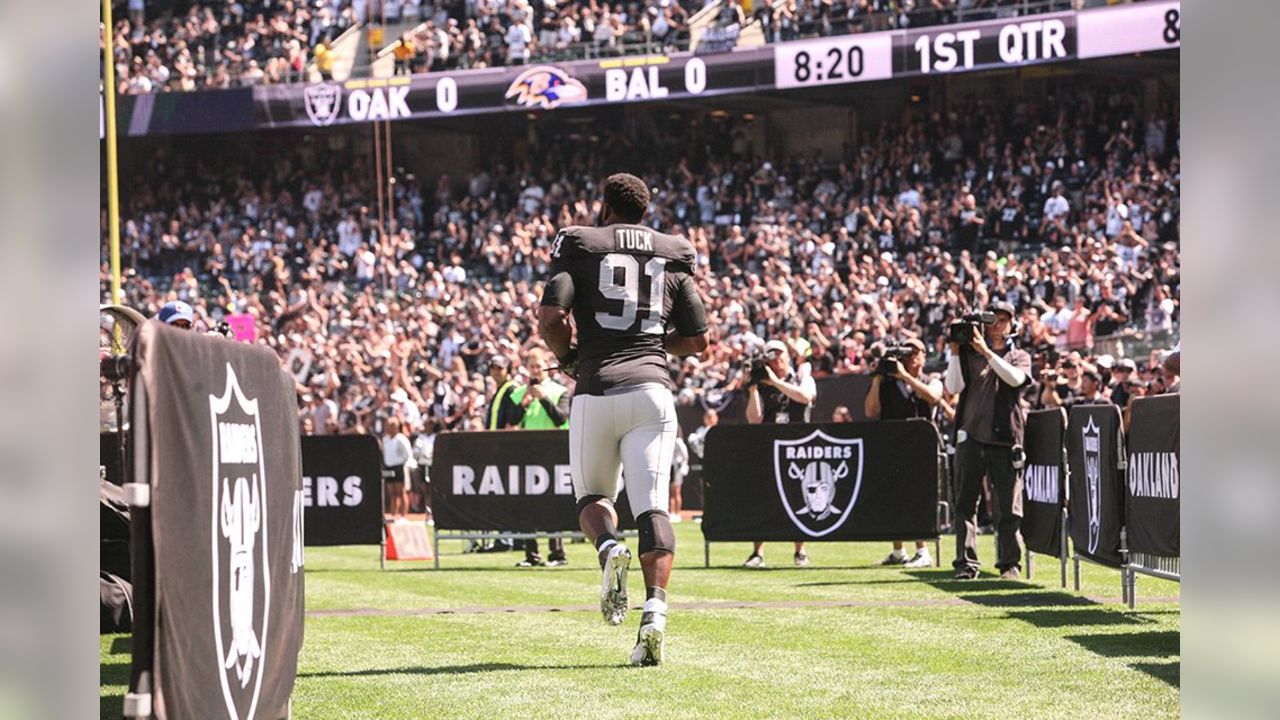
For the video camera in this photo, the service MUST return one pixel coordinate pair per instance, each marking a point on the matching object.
(890, 362)
(963, 331)
(754, 367)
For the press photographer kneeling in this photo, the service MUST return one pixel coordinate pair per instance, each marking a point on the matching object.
(989, 375)
(899, 391)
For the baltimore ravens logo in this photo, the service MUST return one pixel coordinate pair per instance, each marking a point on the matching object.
(545, 87)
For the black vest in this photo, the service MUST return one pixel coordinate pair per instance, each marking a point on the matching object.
(777, 408)
(896, 406)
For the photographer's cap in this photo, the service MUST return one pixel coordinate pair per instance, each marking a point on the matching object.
(1127, 364)
(1106, 362)
(500, 361)
(1001, 306)
(775, 346)
(175, 311)
(915, 343)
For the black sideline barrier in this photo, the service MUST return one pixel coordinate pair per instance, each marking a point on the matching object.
(830, 482)
(833, 391)
(1153, 491)
(1044, 488)
(342, 490)
(1095, 452)
(216, 506)
(512, 482)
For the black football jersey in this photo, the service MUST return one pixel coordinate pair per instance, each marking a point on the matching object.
(626, 285)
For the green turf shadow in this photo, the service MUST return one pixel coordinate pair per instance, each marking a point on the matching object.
(944, 579)
(114, 673)
(110, 707)
(1029, 599)
(1054, 618)
(1170, 673)
(456, 670)
(1165, 643)
(857, 582)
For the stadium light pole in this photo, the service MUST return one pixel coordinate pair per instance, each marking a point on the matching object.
(113, 188)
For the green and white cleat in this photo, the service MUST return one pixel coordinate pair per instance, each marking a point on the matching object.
(613, 585)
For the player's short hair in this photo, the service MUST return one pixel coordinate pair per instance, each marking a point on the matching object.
(627, 196)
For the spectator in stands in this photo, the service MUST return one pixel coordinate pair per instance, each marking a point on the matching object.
(324, 61)
(457, 263)
(785, 395)
(903, 392)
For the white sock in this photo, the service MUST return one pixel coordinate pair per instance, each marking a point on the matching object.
(608, 544)
(899, 552)
(654, 605)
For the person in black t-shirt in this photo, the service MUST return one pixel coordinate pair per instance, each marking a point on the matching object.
(1011, 225)
(784, 396)
(969, 223)
(904, 395)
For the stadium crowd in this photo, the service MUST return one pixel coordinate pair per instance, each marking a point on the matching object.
(184, 45)
(1068, 210)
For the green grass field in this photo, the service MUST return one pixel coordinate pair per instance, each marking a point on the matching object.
(842, 638)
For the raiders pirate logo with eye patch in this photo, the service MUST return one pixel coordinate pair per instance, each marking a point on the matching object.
(818, 480)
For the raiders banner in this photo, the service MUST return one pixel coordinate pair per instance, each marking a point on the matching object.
(845, 481)
(506, 480)
(342, 490)
(1096, 507)
(1152, 487)
(216, 438)
(1043, 481)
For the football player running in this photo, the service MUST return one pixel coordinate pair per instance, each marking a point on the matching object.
(631, 293)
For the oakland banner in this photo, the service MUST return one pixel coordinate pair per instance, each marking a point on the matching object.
(842, 481)
(1153, 485)
(506, 480)
(342, 490)
(215, 437)
(1043, 481)
(1096, 509)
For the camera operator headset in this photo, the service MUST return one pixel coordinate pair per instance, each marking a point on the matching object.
(898, 393)
(989, 374)
(776, 394)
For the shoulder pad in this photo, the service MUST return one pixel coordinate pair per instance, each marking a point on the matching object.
(566, 241)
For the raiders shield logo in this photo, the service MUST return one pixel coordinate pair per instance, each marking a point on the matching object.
(818, 480)
(323, 102)
(1092, 437)
(241, 581)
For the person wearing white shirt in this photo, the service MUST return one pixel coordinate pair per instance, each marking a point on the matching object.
(1057, 321)
(397, 459)
(1056, 206)
(518, 39)
(349, 236)
(365, 262)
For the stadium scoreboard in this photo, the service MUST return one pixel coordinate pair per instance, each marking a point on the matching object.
(867, 57)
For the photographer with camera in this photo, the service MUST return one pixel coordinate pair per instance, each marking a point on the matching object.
(899, 391)
(778, 394)
(989, 374)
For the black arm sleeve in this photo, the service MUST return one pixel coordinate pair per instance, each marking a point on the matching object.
(559, 412)
(559, 290)
(688, 315)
